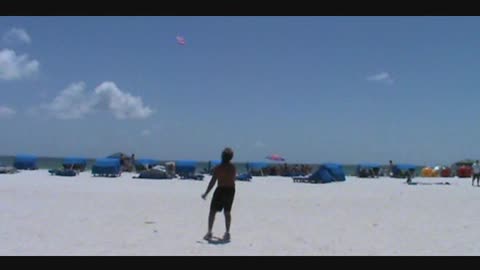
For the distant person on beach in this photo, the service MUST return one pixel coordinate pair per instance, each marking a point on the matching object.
(224, 194)
(476, 172)
(132, 160)
(408, 174)
(122, 162)
(390, 168)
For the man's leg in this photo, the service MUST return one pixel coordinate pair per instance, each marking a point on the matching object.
(211, 219)
(473, 179)
(228, 220)
(227, 212)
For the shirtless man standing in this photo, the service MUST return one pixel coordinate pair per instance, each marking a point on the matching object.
(223, 196)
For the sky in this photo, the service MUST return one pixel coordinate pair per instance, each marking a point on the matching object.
(311, 89)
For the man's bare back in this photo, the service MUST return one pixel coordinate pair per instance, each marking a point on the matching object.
(225, 174)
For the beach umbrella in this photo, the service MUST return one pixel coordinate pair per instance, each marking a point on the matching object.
(275, 158)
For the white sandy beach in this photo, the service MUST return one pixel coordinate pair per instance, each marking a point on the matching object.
(51, 215)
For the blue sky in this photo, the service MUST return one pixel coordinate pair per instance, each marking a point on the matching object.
(312, 89)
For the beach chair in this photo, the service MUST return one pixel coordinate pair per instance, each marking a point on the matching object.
(244, 177)
(7, 169)
(153, 174)
(63, 172)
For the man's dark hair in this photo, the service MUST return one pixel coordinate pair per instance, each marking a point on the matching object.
(227, 155)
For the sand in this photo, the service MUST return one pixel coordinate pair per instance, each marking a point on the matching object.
(84, 215)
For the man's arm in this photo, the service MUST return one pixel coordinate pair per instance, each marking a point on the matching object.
(210, 185)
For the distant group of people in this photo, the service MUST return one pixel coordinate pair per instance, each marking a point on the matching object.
(389, 171)
(282, 170)
(127, 164)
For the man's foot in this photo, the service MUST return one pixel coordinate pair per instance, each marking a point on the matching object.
(226, 236)
(208, 236)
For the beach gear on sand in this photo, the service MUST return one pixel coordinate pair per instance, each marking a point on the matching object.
(326, 173)
(106, 167)
(25, 162)
(63, 172)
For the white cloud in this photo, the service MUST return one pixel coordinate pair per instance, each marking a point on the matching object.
(381, 77)
(6, 112)
(123, 105)
(259, 144)
(74, 102)
(146, 132)
(14, 67)
(17, 35)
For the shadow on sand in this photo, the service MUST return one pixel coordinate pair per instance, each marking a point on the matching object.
(214, 241)
(428, 184)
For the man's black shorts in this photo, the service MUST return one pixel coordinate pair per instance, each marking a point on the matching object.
(222, 199)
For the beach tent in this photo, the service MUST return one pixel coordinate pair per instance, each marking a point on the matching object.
(186, 169)
(25, 162)
(185, 166)
(326, 173)
(321, 175)
(143, 164)
(106, 167)
(257, 168)
(464, 171)
(336, 170)
(75, 163)
(400, 170)
(446, 171)
(364, 169)
(463, 168)
(427, 172)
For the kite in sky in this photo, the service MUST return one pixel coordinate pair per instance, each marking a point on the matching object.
(180, 40)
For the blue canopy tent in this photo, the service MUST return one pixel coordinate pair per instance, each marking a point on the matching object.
(336, 170)
(75, 163)
(257, 168)
(106, 167)
(365, 170)
(326, 173)
(25, 162)
(186, 169)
